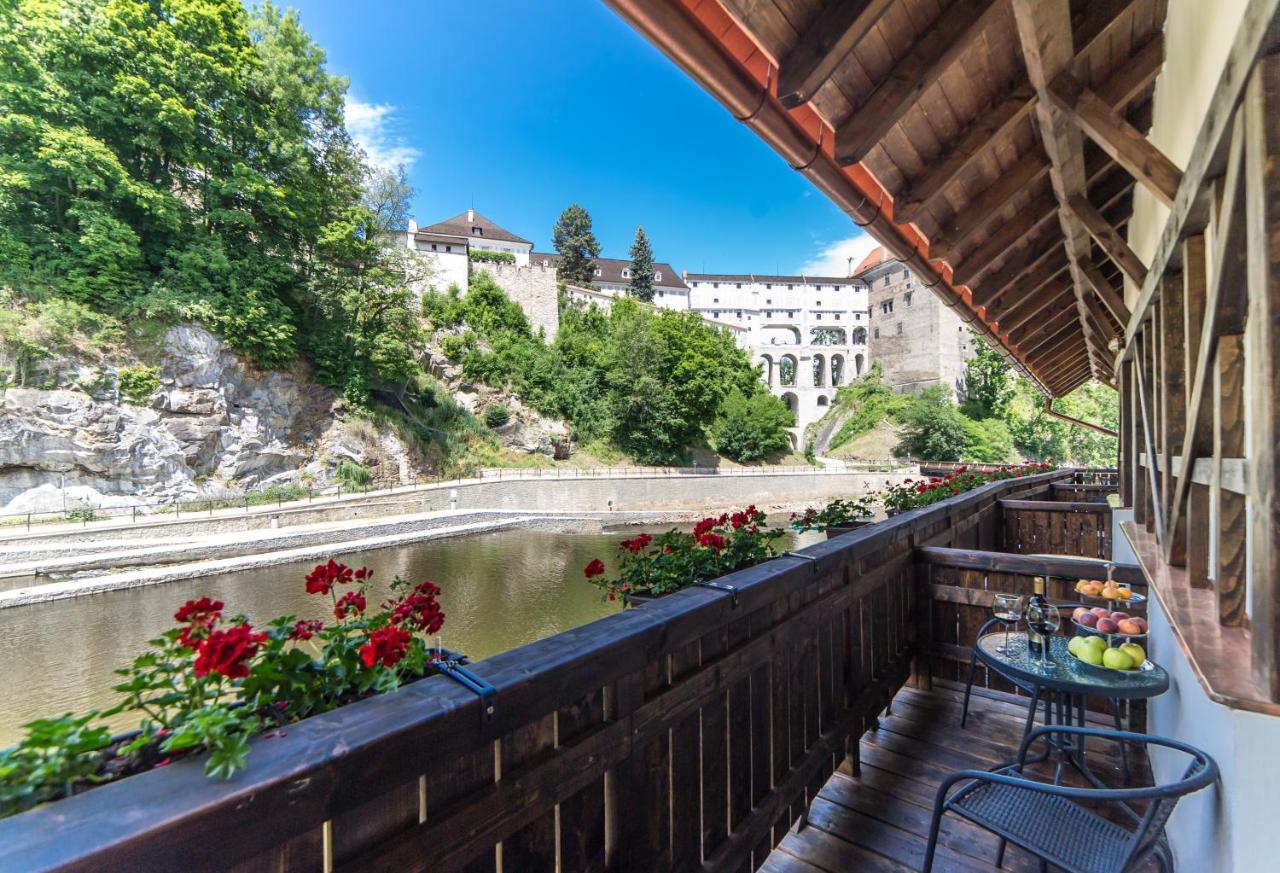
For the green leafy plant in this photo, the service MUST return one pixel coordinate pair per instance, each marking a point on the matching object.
(496, 415)
(650, 566)
(352, 475)
(912, 494)
(491, 257)
(54, 756)
(840, 512)
(138, 382)
(750, 428)
(82, 514)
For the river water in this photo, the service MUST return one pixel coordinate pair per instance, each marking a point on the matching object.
(500, 590)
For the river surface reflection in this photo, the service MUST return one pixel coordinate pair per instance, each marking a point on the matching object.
(500, 590)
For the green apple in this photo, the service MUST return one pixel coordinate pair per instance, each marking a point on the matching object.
(1117, 660)
(1096, 642)
(1090, 655)
(1135, 652)
(1073, 645)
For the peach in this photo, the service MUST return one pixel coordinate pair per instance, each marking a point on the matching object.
(1129, 626)
(1141, 623)
(1100, 612)
(1088, 619)
(1107, 626)
(1092, 589)
(1079, 611)
(1119, 616)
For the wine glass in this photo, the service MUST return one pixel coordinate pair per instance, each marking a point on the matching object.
(1007, 608)
(1044, 619)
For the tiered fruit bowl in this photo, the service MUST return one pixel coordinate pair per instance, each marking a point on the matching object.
(1095, 653)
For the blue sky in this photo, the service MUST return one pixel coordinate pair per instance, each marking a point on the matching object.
(523, 107)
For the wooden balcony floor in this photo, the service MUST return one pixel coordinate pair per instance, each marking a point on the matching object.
(880, 820)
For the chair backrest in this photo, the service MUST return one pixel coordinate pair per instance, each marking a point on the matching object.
(1199, 773)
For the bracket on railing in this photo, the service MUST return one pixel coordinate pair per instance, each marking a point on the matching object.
(452, 667)
(720, 586)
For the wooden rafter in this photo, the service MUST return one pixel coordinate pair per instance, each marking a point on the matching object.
(1003, 114)
(955, 232)
(1117, 137)
(1015, 270)
(1107, 237)
(1107, 294)
(1044, 29)
(1045, 305)
(1017, 303)
(840, 25)
(935, 50)
(1028, 225)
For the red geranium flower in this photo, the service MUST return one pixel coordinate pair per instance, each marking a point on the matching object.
(386, 646)
(322, 579)
(228, 651)
(351, 602)
(202, 611)
(420, 611)
(595, 568)
(305, 630)
(712, 541)
(363, 573)
(638, 543)
(703, 526)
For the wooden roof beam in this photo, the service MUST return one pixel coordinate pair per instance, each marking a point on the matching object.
(1048, 303)
(839, 27)
(975, 215)
(936, 49)
(1047, 266)
(1021, 229)
(1044, 29)
(1043, 327)
(1117, 137)
(1107, 293)
(1108, 238)
(1005, 113)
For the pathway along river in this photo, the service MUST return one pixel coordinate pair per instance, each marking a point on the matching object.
(500, 590)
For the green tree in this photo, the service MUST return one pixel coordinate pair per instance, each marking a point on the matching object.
(576, 244)
(988, 441)
(641, 286)
(933, 427)
(752, 427)
(988, 381)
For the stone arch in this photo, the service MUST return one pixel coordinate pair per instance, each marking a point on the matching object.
(780, 335)
(768, 373)
(822, 400)
(819, 371)
(827, 336)
(858, 363)
(793, 403)
(787, 371)
(837, 370)
(859, 336)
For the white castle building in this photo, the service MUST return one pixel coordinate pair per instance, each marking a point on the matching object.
(808, 332)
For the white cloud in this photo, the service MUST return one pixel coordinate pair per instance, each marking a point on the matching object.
(372, 125)
(833, 260)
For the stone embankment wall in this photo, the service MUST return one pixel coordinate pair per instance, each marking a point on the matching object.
(675, 492)
(533, 287)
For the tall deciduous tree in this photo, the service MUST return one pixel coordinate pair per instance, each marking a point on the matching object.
(576, 244)
(641, 286)
(988, 381)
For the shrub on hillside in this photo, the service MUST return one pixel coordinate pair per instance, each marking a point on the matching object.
(866, 402)
(352, 475)
(989, 441)
(139, 382)
(496, 415)
(752, 428)
(934, 429)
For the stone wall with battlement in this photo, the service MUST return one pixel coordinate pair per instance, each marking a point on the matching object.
(534, 287)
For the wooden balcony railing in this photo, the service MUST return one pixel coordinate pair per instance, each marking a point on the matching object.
(1054, 527)
(691, 731)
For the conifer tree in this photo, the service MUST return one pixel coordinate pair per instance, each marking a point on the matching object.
(641, 286)
(576, 245)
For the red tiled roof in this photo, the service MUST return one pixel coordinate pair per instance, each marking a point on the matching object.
(874, 258)
(461, 225)
(611, 270)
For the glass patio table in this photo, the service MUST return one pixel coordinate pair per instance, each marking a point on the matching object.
(1066, 684)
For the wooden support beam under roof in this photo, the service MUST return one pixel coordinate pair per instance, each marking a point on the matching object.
(953, 233)
(1044, 29)
(1021, 229)
(1041, 328)
(995, 294)
(1117, 137)
(1046, 305)
(1113, 245)
(1038, 345)
(1111, 298)
(937, 48)
(1002, 115)
(1047, 281)
(840, 25)
(1126, 83)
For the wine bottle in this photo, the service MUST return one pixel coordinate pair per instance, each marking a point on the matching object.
(1036, 640)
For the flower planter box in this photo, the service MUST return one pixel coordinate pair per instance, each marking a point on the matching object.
(833, 532)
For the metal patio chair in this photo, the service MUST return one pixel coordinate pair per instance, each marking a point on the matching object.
(1049, 821)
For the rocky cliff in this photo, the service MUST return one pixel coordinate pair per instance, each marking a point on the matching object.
(214, 424)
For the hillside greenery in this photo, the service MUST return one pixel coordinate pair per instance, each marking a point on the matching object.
(1000, 419)
(651, 382)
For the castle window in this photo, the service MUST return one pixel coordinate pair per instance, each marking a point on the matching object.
(907, 298)
(599, 272)
(739, 313)
(791, 287)
(791, 314)
(434, 248)
(448, 248)
(768, 301)
(906, 274)
(837, 316)
(715, 299)
(715, 284)
(626, 274)
(768, 286)
(899, 327)
(886, 281)
(877, 333)
(739, 285)
(657, 277)
(817, 316)
(477, 231)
